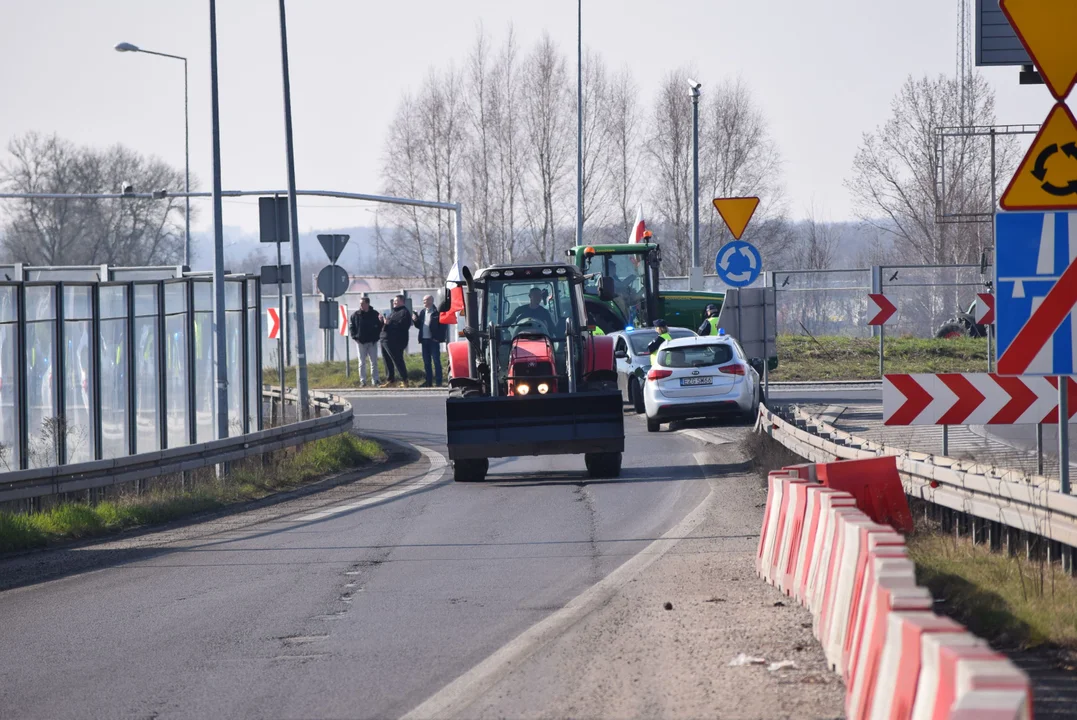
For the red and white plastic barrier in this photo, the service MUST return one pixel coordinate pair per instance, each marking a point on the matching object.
(834, 552)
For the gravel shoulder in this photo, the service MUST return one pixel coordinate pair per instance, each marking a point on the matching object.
(632, 657)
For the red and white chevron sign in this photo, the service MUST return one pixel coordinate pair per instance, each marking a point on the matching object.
(973, 399)
(985, 309)
(273, 324)
(884, 309)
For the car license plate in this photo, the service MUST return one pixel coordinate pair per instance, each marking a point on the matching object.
(685, 382)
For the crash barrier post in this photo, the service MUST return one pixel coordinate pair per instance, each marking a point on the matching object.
(899, 659)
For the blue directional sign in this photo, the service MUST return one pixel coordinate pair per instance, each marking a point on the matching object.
(1036, 290)
(738, 264)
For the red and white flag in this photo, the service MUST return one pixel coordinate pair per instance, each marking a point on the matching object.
(638, 229)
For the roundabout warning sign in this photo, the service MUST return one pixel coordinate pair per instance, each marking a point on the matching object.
(1047, 177)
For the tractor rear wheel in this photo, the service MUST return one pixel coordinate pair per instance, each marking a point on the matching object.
(952, 331)
(472, 470)
(603, 465)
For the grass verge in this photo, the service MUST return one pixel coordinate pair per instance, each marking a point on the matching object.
(248, 481)
(842, 358)
(1012, 602)
(331, 375)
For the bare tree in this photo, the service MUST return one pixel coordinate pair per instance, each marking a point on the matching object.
(623, 129)
(670, 153)
(738, 158)
(894, 172)
(596, 144)
(89, 232)
(547, 123)
(424, 158)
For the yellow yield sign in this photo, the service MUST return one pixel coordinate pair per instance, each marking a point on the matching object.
(1047, 177)
(1047, 29)
(737, 213)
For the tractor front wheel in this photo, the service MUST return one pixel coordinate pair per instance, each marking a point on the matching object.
(472, 470)
(603, 465)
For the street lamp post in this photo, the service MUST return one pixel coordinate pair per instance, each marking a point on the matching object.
(219, 316)
(297, 272)
(128, 47)
(579, 122)
(695, 280)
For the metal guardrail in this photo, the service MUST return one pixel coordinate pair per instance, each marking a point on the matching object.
(54, 480)
(994, 499)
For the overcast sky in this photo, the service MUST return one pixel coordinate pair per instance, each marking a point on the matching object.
(822, 72)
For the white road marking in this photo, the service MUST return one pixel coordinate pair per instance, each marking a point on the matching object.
(438, 463)
(469, 687)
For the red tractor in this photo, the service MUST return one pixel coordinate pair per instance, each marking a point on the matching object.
(529, 377)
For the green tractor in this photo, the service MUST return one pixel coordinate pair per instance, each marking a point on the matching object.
(621, 289)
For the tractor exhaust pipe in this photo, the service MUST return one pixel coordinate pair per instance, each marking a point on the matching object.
(471, 304)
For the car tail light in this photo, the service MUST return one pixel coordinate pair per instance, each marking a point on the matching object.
(658, 374)
(736, 369)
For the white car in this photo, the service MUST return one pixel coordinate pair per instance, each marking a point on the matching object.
(701, 377)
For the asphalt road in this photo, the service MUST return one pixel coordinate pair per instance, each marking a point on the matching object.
(362, 612)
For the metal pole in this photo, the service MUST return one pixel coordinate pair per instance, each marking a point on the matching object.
(187, 153)
(347, 357)
(297, 271)
(945, 440)
(579, 122)
(1064, 435)
(282, 312)
(220, 346)
(994, 210)
(696, 273)
(882, 341)
(1039, 449)
(22, 396)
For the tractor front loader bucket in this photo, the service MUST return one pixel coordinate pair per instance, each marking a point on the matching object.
(558, 424)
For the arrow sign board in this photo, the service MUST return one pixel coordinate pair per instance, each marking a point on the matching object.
(1046, 29)
(333, 245)
(882, 308)
(738, 264)
(737, 213)
(1047, 178)
(985, 309)
(343, 329)
(333, 281)
(273, 322)
(1036, 293)
(973, 399)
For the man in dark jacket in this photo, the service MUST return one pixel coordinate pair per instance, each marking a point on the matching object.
(431, 335)
(364, 326)
(394, 340)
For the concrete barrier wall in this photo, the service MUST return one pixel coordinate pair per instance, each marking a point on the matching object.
(899, 660)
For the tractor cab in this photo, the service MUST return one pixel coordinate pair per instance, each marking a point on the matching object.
(620, 284)
(530, 313)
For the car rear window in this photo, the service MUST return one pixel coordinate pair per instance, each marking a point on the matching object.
(640, 339)
(695, 356)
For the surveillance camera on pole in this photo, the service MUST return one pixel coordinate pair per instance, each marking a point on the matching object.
(695, 278)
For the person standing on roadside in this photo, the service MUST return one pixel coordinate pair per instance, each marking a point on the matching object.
(365, 328)
(431, 335)
(394, 340)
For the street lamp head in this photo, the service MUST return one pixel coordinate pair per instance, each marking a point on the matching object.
(126, 47)
(695, 87)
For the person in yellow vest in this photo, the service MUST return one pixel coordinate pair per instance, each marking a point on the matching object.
(663, 336)
(593, 324)
(710, 323)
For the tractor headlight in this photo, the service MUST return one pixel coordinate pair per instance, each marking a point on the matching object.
(523, 389)
(543, 388)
